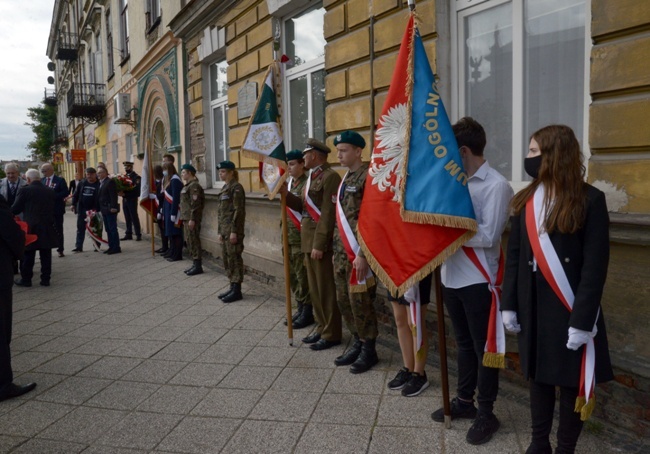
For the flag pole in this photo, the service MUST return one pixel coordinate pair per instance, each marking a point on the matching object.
(151, 215)
(442, 343)
(287, 271)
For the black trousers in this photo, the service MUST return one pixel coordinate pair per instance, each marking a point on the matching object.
(6, 374)
(542, 405)
(58, 226)
(163, 237)
(469, 310)
(130, 207)
(27, 264)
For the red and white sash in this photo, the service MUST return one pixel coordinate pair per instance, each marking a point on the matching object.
(90, 214)
(549, 264)
(311, 207)
(495, 346)
(168, 197)
(357, 284)
(295, 216)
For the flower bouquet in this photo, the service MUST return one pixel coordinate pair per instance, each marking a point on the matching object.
(123, 183)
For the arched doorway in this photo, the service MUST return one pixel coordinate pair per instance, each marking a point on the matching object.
(160, 142)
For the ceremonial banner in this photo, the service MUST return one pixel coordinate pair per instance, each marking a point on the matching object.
(416, 209)
(148, 199)
(263, 141)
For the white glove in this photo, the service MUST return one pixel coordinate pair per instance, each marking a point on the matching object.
(510, 321)
(578, 337)
(174, 219)
(159, 216)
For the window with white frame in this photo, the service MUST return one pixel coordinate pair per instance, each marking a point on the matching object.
(152, 13)
(520, 65)
(304, 44)
(124, 28)
(219, 114)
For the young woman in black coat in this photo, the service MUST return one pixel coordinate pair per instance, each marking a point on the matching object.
(569, 245)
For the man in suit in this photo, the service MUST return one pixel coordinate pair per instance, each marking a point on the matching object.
(60, 188)
(12, 245)
(130, 204)
(109, 207)
(36, 203)
(9, 187)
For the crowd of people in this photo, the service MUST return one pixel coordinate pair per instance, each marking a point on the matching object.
(552, 278)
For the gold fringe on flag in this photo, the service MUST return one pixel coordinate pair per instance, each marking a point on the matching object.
(585, 408)
(494, 360)
(360, 288)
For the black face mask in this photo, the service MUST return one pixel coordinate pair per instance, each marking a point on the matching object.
(532, 165)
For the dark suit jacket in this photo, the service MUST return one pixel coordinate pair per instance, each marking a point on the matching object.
(60, 189)
(107, 197)
(4, 188)
(12, 244)
(544, 319)
(36, 202)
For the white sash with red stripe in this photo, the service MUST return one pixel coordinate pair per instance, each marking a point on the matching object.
(549, 264)
(495, 346)
(90, 214)
(357, 284)
(311, 207)
(295, 216)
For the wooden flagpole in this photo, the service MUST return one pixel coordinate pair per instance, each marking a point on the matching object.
(442, 343)
(151, 214)
(287, 270)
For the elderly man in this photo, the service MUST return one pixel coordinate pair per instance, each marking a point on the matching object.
(9, 186)
(109, 207)
(36, 203)
(130, 204)
(60, 188)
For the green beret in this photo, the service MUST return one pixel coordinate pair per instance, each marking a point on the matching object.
(226, 165)
(351, 137)
(189, 167)
(313, 144)
(293, 155)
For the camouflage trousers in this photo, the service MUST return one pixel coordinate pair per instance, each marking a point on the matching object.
(193, 240)
(298, 275)
(232, 259)
(357, 309)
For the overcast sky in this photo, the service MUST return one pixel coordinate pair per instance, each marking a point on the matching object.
(24, 31)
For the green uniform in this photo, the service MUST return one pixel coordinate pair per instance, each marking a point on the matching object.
(191, 209)
(357, 309)
(318, 235)
(298, 272)
(232, 214)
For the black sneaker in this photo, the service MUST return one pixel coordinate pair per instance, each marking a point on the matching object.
(416, 384)
(484, 426)
(400, 379)
(77, 249)
(459, 410)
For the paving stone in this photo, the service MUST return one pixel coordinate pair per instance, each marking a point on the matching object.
(28, 342)
(84, 424)
(404, 439)
(140, 348)
(74, 390)
(8, 443)
(351, 408)
(30, 360)
(61, 344)
(139, 430)
(125, 331)
(99, 346)
(67, 364)
(181, 351)
(200, 435)
(264, 437)
(202, 335)
(49, 447)
(173, 399)
(250, 377)
(299, 379)
(318, 438)
(31, 417)
(196, 374)
(224, 354)
(285, 406)
(307, 358)
(122, 395)
(370, 382)
(152, 371)
(164, 333)
(228, 403)
(269, 356)
(258, 323)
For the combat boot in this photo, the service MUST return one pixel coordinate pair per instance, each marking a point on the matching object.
(367, 358)
(306, 317)
(351, 354)
(225, 292)
(296, 314)
(234, 295)
(189, 269)
(197, 268)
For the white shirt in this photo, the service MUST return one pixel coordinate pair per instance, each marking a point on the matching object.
(491, 194)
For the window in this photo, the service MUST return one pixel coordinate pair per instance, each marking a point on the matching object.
(159, 141)
(219, 114)
(521, 65)
(109, 43)
(124, 28)
(304, 43)
(152, 13)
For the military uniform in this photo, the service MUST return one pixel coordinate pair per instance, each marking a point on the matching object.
(232, 214)
(130, 207)
(298, 272)
(358, 308)
(191, 209)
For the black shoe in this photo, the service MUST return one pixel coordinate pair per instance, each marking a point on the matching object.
(312, 338)
(416, 384)
(167, 254)
(126, 238)
(138, 238)
(296, 315)
(12, 390)
(367, 358)
(23, 283)
(45, 283)
(225, 292)
(61, 254)
(485, 425)
(350, 355)
(400, 380)
(77, 249)
(197, 268)
(324, 344)
(306, 317)
(234, 295)
(107, 251)
(539, 448)
(459, 410)
(161, 250)
(173, 259)
(114, 251)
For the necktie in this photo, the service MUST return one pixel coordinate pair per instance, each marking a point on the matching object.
(13, 190)
(47, 182)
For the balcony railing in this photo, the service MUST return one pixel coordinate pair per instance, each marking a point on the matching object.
(87, 101)
(67, 46)
(59, 135)
(50, 97)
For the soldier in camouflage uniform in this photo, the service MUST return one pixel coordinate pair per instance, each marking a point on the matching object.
(231, 214)
(191, 212)
(355, 300)
(318, 204)
(298, 273)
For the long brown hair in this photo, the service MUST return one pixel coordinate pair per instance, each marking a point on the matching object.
(171, 171)
(562, 172)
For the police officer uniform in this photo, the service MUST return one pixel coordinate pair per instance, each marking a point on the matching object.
(231, 216)
(191, 209)
(130, 205)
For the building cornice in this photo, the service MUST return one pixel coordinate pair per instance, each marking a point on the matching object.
(197, 15)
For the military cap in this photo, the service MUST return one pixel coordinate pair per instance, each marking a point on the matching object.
(127, 163)
(351, 137)
(229, 165)
(294, 154)
(313, 144)
(189, 167)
